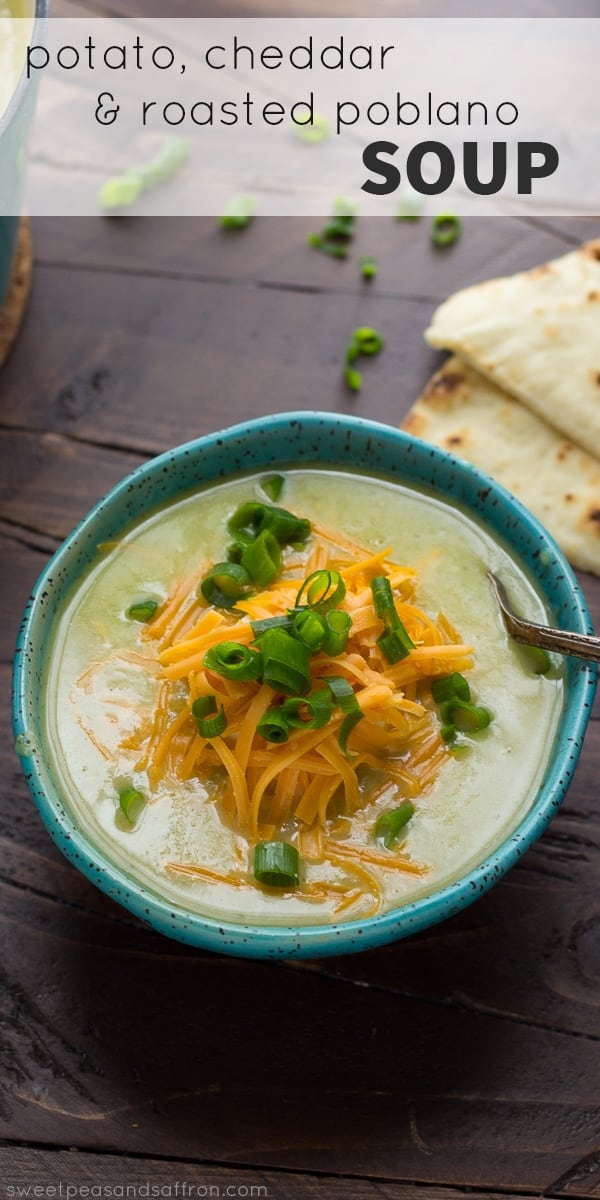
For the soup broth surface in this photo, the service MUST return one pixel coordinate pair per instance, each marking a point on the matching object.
(480, 794)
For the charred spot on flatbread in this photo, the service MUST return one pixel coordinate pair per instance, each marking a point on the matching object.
(592, 250)
(446, 381)
(593, 516)
(592, 296)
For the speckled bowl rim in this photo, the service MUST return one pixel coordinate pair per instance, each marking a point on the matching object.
(287, 440)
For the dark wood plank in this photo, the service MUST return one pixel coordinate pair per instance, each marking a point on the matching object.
(46, 1168)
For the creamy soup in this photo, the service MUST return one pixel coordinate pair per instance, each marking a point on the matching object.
(186, 843)
(14, 35)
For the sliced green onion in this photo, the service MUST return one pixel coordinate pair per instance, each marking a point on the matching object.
(311, 629)
(224, 584)
(368, 340)
(468, 718)
(272, 486)
(338, 626)
(308, 712)
(284, 622)
(132, 803)
(204, 706)
(445, 228)
(210, 721)
(383, 597)
(273, 726)
(286, 663)
(450, 687)
(368, 268)
(313, 131)
(393, 646)
(142, 610)
(448, 733)
(343, 693)
(324, 590)
(252, 518)
(389, 824)
(535, 659)
(352, 353)
(353, 379)
(239, 213)
(410, 206)
(262, 558)
(125, 189)
(276, 864)
(348, 724)
(234, 661)
(334, 249)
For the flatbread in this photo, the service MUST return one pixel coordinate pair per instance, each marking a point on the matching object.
(463, 412)
(536, 334)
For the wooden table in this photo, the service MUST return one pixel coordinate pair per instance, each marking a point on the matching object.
(464, 1060)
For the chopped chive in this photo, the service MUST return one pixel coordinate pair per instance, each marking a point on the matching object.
(234, 661)
(322, 590)
(286, 663)
(273, 726)
(450, 687)
(343, 693)
(142, 610)
(388, 825)
(224, 584)
(262, 558)
(353, 379)
(276, 864)
(239, 213)
(445, 228)
(308, 712)
(310, 627)
(272, 486)
(348, 724)
(338, 625)
(132, 804)
(123, 190)
(313, 132)
(368, 268)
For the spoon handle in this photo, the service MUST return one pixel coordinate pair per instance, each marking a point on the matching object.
(578, 645)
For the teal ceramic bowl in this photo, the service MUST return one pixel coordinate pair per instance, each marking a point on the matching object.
(278, 442)
(15, 124)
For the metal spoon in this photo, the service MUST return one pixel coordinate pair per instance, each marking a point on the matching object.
(578, 645)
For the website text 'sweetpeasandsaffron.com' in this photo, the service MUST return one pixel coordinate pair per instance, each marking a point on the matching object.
(178, 1190)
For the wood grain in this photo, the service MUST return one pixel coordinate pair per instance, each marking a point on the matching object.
(461, 1062)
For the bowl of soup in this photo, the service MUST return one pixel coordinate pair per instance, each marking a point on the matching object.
(17, 99)
(265, 700)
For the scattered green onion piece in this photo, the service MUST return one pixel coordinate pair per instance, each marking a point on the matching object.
(445, 228)
(286, 663)
(213, 726)
(262, 558)
(324, 590)
(338, 626)
(311, 629)
(368, 268)
(308, 712)
(225, 583)
(253, 518)
(410, 207)
(353, 379)
(388, 825)
(448, 733)
(383, 597)
(535, 659)
(394, 645)
(273, 726)
(272, 486)
(276, 864)
(348, 724)
(468, 718)
(124, 190)
(343, 693)
(142, 610)
(450, 687)
(234, 661)
(131, 803)
(368, 340)
(334, 249)
(313, 132)
(204, 706)
(352, 353)
(343, 206)
(239, 213)
(283, 622)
